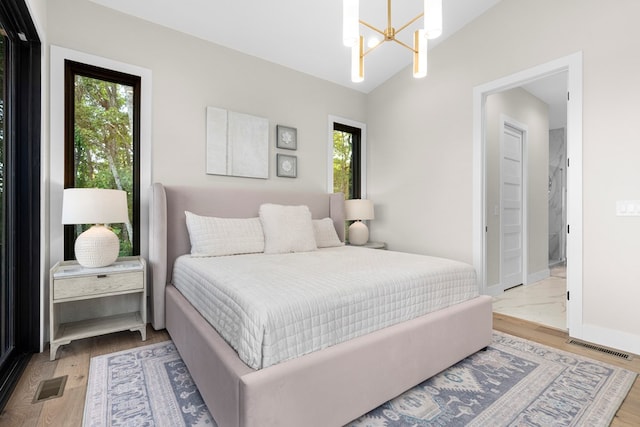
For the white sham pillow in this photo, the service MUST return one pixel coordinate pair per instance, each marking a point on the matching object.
(325, 232)
(287, 229)
(212, 236)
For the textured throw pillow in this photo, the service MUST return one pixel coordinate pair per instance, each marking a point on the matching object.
(211, 236)
(287, 229)
(325, 232)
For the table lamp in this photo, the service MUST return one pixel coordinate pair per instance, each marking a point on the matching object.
(358, 210)
(98, 246)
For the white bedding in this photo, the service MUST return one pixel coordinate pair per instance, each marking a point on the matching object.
(271, 308)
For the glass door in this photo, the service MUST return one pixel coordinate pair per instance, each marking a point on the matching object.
(5, 318)
(20, 97)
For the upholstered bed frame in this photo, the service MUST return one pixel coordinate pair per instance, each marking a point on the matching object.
(326, 388)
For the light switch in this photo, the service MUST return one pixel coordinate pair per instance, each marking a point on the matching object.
(628, 208)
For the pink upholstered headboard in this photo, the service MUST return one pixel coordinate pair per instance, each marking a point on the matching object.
(169, 238)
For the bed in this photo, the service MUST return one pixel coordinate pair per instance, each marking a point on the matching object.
(328, 387)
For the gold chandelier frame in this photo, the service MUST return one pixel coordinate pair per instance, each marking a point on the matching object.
(389, 33)
(432, 14)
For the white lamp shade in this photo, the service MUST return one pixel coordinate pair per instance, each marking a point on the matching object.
(358, 209)
(94, 206)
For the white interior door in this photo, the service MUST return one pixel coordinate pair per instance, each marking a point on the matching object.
(511, 202)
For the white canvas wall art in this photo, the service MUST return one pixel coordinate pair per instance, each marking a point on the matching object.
(237, 144)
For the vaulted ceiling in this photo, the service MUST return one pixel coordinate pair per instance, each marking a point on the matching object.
(300, 34)
(307, 35)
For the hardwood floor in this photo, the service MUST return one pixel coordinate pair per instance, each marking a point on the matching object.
(73, 360)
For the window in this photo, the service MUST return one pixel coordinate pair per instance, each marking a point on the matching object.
(102, 143)
(347, 160)
(19, 192)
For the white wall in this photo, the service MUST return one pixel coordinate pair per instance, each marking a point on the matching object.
(420, 143)
(519, 105)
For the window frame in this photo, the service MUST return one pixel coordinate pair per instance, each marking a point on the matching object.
(71, 69)
(22, 185)
(356, 157)
(348, 124)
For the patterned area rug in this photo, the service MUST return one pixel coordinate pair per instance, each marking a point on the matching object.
(514, 382)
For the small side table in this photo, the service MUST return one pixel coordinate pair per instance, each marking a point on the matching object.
(121, 286)
(374, 245)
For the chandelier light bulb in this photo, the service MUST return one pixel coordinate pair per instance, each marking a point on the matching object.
(433, 18)
(373, 42)
(350, 22)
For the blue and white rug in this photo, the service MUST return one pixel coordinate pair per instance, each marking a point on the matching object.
(514, 382)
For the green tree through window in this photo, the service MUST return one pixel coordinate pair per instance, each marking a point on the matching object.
(104, 152)
(342, 159)
(346, 160)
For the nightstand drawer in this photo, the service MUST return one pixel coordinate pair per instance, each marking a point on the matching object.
(74, 287)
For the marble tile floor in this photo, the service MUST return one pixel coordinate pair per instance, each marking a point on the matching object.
(542, 302)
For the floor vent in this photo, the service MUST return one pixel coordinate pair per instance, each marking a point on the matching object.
(50, 389)
(615, 353)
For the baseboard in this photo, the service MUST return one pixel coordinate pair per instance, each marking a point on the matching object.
(538, 275)
(611, 338)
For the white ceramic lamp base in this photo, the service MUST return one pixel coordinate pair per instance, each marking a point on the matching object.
(97, 247)
(358, 233)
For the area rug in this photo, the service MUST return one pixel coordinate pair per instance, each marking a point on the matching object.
(514, 382)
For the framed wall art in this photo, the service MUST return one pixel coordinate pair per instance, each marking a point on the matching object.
(287, 137)
(287, 166)
(237, 144)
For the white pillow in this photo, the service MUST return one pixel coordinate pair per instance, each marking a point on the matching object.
(211, 236)
(325, 232)
(287, 229)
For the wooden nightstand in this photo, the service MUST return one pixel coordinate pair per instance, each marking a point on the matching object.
(120, 290)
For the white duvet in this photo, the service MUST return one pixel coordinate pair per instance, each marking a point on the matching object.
(271, 308)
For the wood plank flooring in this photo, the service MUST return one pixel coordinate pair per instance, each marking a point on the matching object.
(73, 360)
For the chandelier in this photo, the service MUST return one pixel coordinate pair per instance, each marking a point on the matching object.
(352, 38)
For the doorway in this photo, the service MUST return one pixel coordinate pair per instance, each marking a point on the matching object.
(572, 66)
(519, 119)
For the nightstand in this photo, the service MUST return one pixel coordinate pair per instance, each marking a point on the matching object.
(373, 245)
(120, 290)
